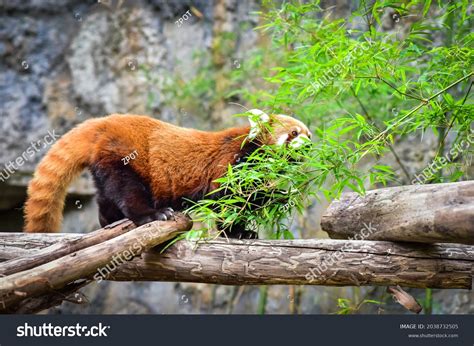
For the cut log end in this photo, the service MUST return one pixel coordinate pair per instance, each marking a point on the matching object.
(437, 213)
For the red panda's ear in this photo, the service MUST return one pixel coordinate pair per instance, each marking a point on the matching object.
(257, 119)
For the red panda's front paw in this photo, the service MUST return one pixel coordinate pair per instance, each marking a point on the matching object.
(164, 214)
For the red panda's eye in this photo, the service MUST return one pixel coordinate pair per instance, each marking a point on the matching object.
(294, 133)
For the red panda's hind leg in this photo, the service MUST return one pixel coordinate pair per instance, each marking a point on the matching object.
(108, 211)
(123, 193)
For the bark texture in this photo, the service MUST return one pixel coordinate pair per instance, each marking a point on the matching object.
(437, 213)
(81, 266)
(63, 247)
(302, 262)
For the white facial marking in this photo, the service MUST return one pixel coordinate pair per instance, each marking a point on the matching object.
(263, 117)
(299, 141)
(282, 139)
(254, 125)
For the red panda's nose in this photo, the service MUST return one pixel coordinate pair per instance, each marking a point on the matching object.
(300, 140)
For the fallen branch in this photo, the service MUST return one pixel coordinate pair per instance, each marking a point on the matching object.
(437, 213)
(405, 299)
(316, 262)
(81, 265)
(65, 247)
(37, 304)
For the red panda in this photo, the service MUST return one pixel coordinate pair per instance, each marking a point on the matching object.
(169, 165)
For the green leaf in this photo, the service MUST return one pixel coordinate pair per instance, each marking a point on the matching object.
(426, 7)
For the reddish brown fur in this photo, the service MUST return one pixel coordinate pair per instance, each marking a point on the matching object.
(173, 161)
(172, 164)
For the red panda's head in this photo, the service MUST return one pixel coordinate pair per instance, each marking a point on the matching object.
(277, 129)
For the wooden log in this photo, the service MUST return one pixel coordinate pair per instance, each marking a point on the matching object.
(437, 213)
(65, 247)
(317, 262)
(301, 262)
(82, 264)
(34, 305)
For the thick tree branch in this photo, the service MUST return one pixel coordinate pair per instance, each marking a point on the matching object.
(62, 248)
(434, 213)
(55, 275)
(302, 262)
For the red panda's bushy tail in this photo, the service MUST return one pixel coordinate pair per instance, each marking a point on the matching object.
(47, 190)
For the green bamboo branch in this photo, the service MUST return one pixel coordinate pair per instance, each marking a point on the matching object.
(394, 153)
(415, 109)
(452, 121)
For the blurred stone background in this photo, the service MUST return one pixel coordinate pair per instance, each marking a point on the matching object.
(62, 62)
